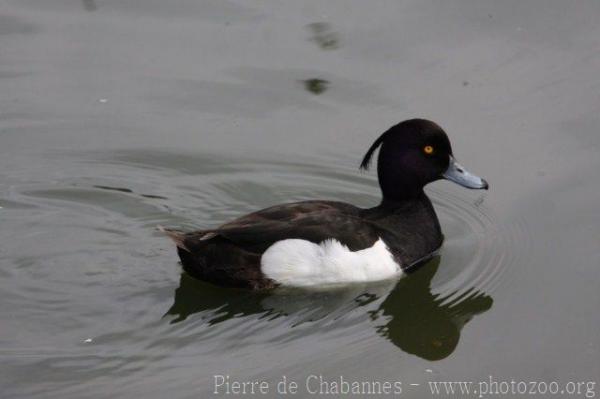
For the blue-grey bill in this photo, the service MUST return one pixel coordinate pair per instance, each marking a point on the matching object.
(459, 175)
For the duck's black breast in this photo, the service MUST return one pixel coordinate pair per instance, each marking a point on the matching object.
(410, 228)
(231, 254)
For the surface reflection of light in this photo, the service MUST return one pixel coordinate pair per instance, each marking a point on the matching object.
(89, 5)
(324, 36)
(405, 312)
(316, 86)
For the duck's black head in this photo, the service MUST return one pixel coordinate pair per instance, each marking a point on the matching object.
(414, 153)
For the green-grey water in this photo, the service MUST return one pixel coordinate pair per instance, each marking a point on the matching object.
(117, 116)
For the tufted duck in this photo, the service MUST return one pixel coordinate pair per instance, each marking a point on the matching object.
(327, 242)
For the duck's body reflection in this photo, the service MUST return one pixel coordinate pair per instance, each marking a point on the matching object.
(417, 322)
(405, 312)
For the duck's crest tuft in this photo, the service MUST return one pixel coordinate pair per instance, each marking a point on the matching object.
(364, 165)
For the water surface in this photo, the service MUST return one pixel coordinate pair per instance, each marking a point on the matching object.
(116, 116)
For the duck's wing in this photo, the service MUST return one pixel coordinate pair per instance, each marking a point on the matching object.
(314, 221)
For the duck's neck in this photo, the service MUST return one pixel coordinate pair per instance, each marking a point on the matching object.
(412, 220)
(401, 193)
(404, 200)
(416, 207)
(397, 185)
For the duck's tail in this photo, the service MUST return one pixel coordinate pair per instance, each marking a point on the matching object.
(177, 236)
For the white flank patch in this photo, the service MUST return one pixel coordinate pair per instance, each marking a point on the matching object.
(302, 263)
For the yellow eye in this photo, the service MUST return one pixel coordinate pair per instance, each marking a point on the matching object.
(428, 150)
